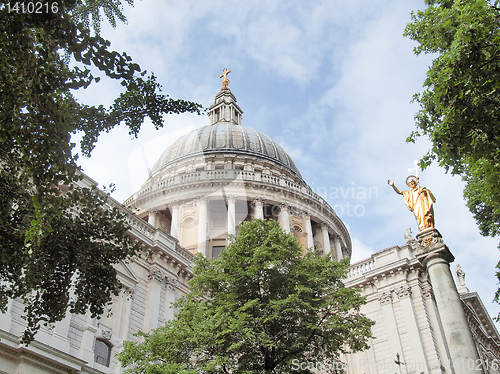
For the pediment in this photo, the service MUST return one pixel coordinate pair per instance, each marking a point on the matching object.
(126, 275)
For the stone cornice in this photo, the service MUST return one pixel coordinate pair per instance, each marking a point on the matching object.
(366, 272)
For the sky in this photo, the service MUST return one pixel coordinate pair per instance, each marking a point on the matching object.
(331, 81)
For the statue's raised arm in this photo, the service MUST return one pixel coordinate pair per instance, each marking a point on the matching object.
(391, 183)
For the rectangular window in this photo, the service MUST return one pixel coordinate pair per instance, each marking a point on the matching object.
(217, 250)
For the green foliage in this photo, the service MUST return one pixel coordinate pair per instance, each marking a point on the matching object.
(50, 238)
(259, 306)
(88, 13)
(460, 106)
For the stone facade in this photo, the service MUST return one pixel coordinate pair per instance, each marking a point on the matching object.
(81, 344)
(410, 322)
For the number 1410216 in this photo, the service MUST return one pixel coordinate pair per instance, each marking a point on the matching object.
(32, 7)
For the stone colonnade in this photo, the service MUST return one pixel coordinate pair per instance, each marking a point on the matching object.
(258, 212)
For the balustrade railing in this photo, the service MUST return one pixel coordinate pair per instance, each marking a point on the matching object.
(225, 174)
(360, 268)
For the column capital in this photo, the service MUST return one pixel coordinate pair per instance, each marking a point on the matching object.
(152, 211)
(174, 204)
(323, 226)
(427, 291)
(202, 200)
(403, 292)
(156, 275)
(171, 283)
(231, 198)
(258, 201)
(284, 207)
(385, 298)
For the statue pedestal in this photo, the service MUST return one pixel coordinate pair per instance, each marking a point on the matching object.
(436, 257)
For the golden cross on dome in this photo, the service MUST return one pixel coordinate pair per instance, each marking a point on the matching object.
(225, 80)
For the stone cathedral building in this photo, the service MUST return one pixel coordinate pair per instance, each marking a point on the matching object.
(201, 187)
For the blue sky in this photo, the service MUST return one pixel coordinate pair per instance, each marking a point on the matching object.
(331, 81)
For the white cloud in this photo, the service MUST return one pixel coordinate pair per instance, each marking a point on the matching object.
(360, 251)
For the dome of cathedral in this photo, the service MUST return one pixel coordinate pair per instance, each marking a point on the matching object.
(223, 138)
(211, 179)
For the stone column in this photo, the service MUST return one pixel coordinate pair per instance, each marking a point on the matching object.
(125, 322)
(174, 226)
(171, 287)
(284, 218)
(310, 240)
(258, 204)
(436, 257)
(390, 324)
(326, 238)
(86, 352)
(440, 357)
(202, 225)
(231, 214)
(419, 361)
(152, 217)
(152, 313)
(338, 248)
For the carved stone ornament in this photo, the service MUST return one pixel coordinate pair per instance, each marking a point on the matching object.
(202, 200)
(284, 207)
(385, 298)
(191, 203)
(50, 326)
(174, 204)
(128, 291)
(403, 292)
(430, 236)
(156, 275)
(106, 334)
(427, 291)
(231, 199)
(410, 241)
(295, 211)
(323, 226)
(171, 283)
(258, 201)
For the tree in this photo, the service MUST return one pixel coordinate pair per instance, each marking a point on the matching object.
(56, 236)
(460, 106)
(261, 307)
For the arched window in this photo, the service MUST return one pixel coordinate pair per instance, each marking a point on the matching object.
(102, 352)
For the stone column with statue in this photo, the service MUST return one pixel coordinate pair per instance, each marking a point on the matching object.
(436, 258)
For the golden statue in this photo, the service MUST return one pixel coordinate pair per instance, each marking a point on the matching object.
(419, 200)
(225, 81)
